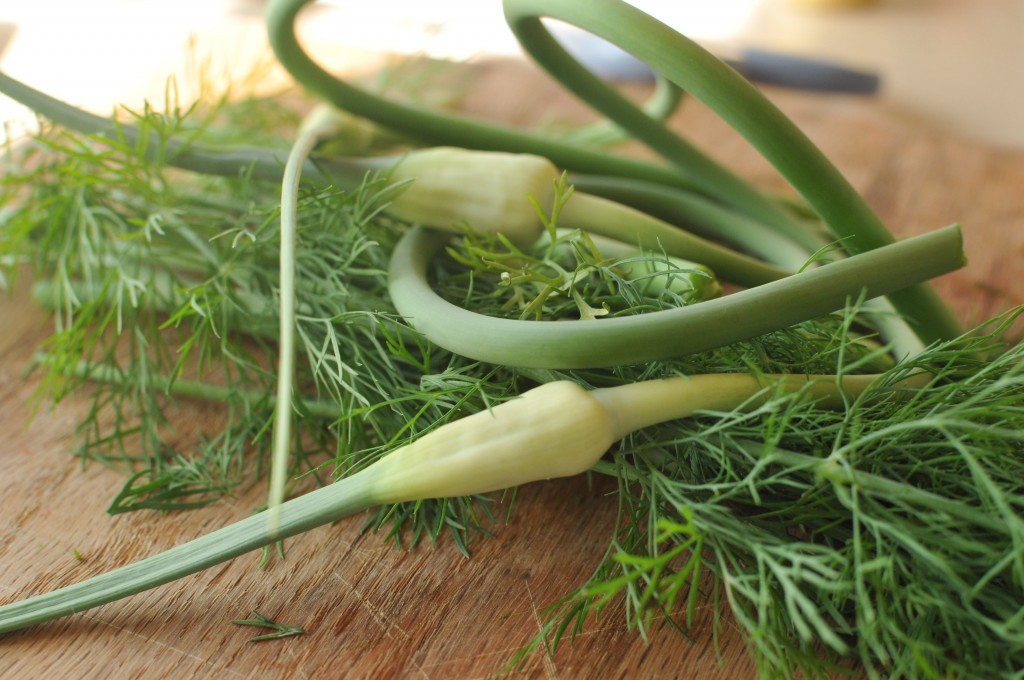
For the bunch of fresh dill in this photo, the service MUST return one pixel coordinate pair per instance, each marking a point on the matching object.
(890, 532)
(163, 285)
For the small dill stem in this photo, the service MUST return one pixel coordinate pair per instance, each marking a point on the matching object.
(882, 487)
(261, 621)
(608, 218)
(193, 389)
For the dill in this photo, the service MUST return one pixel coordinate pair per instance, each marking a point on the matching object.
(889, 533)
(164, 287)
(280, 630)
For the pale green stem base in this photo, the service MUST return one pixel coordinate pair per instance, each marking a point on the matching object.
(346, 497)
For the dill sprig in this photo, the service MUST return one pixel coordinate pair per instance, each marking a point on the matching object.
(279, 630)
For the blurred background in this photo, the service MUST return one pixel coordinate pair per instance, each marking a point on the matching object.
(958, 64)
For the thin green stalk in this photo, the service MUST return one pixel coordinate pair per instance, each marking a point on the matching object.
(192, 155)
(281, 446)
(702, 216)
(742, 106)
(663, 103)
(601, 216)
(192, 389)
(319, 126)
(664, 334)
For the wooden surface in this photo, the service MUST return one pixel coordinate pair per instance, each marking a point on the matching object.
(371, 610)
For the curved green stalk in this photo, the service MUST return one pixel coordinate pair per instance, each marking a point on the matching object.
(710, 80)
(742, 106)
(659, 335)
(664, 101)
(436, 128)
(672, 60)
(694, 212)
(315, 129)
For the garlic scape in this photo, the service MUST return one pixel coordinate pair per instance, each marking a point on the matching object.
(558, 429)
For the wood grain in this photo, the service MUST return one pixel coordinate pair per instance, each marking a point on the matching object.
(369, 609)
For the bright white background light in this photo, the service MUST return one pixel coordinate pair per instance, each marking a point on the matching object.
(956, 62)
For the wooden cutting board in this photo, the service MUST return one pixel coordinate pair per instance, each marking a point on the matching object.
(369, 609)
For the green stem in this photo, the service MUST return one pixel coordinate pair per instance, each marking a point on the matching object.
(700, 215)
(322, 506)
(659, 335)
(888, 489)
(601, 216)
(642, 404)
(742, 106)
(281, 447)
(319, 126)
